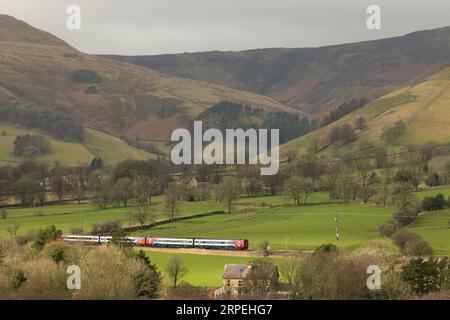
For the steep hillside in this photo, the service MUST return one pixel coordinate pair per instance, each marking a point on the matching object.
(315, 80)
(110, 96)
(423, 109)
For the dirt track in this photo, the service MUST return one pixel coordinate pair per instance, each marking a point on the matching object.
(229, 253)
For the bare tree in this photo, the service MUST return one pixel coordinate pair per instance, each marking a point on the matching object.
(299, 189)
(140, 213)
(172, 197)
(176, 270)
(13, 229)
(228, 191)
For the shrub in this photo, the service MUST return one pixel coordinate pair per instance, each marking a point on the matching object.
(106, 228)
(119, 280)
(186, 291)
(86, 76)
(412, 244)
(417, 247)
(389, 228)
(265, 248)
(91, 90)
(44, 236)
(401, 238)
(327, 248)
(433, 180)
(3, 214)
(434, 203)
(423, 275)
(407, 215)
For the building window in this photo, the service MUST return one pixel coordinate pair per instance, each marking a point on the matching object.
(240, 283)
(228, 284)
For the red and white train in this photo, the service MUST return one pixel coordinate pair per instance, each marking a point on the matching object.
(223, 244)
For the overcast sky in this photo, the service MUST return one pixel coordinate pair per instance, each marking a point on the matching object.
(171, 26)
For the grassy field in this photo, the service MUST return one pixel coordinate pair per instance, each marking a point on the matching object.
(96, 144)
(287, 227)
(69, 216)
(198, 274)
(111, 149)
(65, 152)
(434, 227)
(432, 192)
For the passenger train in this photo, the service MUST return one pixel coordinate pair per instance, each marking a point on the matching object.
(224, 244)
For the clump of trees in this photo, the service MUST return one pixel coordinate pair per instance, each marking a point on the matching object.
(342, 135)
(343, 110)
(434, 203)
(390, 134)
(31, 146)
(54, 119)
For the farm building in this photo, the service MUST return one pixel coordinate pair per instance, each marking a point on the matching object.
(252, 280)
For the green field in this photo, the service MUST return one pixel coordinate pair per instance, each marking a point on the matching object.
(111, 149)
(203, 270)
(287, 227)
(96, 144)
(64, 152)
(434, 227)
(432, 192)
(69, 216)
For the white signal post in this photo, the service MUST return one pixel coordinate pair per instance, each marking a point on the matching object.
(337, 226)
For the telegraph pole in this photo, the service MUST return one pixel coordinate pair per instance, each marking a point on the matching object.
(337, 226)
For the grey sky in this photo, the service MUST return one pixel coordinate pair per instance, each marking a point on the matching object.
(173, 26)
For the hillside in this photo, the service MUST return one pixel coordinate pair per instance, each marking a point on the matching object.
(96, 144)
(315, 80)
(423, 108)
(114, 97)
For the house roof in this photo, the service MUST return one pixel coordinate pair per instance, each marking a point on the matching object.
(242, 271)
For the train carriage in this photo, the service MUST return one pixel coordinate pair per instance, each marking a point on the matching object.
(222, 244)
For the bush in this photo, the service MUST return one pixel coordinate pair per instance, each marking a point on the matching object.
(433, 180)
(3, 214)
(389, 228)
(412, 244)
(91, 90)
(407, 215)
(418, 247)
(45, 236)
(106, 228)
(434, 203)
(86, 76)
(186, 291)
(327, 248)
(401, 238)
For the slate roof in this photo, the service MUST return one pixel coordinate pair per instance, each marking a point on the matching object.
(241, 271)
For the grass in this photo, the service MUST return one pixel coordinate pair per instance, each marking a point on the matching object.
(111, 149)
(432, 192)
(422, 107)
(198, 274)
(65, 152)
(435, 229)
(293, 227)
(96, 144)
(69, 216)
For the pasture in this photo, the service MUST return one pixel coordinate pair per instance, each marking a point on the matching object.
(434, 227)
(69, 216)
(287, 227)
(203, 270)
